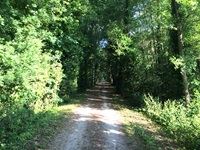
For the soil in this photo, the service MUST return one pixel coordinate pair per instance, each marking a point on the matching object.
(94, 125)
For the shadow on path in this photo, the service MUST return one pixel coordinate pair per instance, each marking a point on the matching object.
(94, 125)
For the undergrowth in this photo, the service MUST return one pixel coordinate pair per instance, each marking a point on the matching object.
(182, 122)
(145, 134)
(17, 131)
(147, 139)
(26, 129)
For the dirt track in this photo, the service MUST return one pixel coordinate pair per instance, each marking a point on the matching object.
(94, 125)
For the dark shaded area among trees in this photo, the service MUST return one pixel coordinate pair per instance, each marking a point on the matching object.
(50, 49)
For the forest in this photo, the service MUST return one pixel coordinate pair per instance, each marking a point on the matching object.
(148, 49)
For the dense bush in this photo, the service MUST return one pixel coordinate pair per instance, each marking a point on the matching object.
(29, 82)
(27, 74)
(180, 121)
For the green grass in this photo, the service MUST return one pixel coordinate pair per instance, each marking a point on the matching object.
(35, 131)
(143, 132)
(74, 99)
(180, 121)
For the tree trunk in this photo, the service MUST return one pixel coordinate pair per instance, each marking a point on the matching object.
(126, 15)
(180, 49)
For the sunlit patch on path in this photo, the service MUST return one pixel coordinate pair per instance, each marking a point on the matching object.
(94, 125)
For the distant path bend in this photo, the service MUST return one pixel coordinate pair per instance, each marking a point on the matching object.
(94, 125)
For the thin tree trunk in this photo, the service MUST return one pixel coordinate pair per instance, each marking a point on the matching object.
(126, 15)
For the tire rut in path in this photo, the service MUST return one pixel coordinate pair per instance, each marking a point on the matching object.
(94, 125)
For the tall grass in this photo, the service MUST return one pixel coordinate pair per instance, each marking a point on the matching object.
(182, 122)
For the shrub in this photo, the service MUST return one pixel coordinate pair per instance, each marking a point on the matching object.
(29, 82)
(180, 121)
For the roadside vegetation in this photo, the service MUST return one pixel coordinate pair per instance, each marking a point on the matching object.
(142, 130)
(180, 121)
(171, 125)
(36, 131)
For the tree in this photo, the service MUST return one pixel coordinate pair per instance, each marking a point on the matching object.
(185, 20)
(178, 26)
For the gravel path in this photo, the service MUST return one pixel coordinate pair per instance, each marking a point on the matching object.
(94, 125)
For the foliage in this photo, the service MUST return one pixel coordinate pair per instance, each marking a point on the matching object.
(28, 131)
(29, 83)
(38, 44)
(153, 47)
(51, 48)
(148, 139)
(142, 131)
(177, 119)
